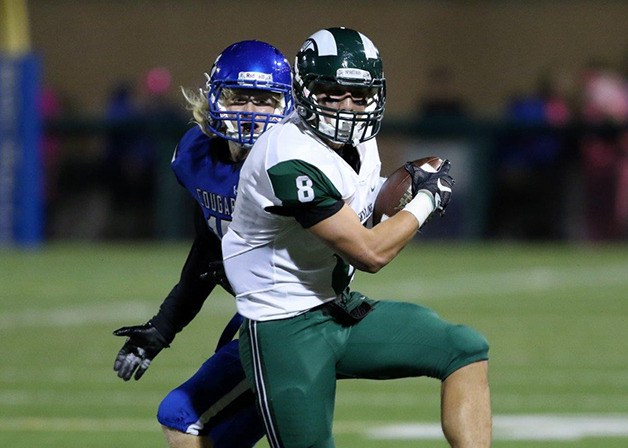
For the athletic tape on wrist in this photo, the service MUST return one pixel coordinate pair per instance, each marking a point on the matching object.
(421, 206)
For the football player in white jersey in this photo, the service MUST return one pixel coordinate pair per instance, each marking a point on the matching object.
(298, 233)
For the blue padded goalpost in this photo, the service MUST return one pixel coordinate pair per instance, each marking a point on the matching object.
(21, 194)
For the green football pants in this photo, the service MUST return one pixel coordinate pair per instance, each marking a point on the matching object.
(293, 364)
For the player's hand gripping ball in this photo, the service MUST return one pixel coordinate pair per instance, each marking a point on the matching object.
(397, 190)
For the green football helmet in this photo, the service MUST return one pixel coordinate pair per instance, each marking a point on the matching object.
(340, 58)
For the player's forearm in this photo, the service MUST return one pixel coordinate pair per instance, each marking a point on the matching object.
(384, 241)
(178, 310)
(368, 250)
(392, 235)
(187, 297)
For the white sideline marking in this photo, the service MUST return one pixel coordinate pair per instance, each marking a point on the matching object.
(539, 279)
(78, 424)
(105, 313)
(77, 315)
(533, 427)
(520, 427)
(467, 284)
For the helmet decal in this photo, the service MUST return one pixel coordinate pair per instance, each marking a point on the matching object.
(251, 77)
(369, 47)
(353, 73)
(322, 42)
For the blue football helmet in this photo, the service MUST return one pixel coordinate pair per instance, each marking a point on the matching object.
(254, 65)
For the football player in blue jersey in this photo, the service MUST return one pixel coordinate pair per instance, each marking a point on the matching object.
(247, 91)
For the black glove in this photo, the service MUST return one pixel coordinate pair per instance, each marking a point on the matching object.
(143, 344)
(438, 184)
(216, 274)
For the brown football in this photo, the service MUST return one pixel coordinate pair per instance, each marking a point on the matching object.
(396, 191)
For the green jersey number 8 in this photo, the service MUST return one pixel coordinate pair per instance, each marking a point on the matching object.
(305, 192)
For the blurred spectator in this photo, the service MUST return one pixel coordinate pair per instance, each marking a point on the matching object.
(127, 167)
(139, 116)
(158, 110)
(442, 99)
(621, 201)
(50, 106)
(442, 112)
(604, 94)
(531, 164)
(71, 165)
(157, 87)
(622, 181)
(604, 150)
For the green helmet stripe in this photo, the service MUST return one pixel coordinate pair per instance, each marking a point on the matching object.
(325, 43)
(369, 47)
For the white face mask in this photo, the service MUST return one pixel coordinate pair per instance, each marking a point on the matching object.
(342, 129)
(245, 126)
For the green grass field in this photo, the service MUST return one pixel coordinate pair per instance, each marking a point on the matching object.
(556, 317)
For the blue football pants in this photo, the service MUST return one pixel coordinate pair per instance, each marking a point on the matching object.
(216, 401)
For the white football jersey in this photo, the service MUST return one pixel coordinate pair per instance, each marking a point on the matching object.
(279, 269)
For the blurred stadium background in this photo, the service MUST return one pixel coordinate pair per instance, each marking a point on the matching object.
(529, 99)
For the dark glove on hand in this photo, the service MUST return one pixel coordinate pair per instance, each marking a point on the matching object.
(143, 344)
(216, 274)
(438, 183)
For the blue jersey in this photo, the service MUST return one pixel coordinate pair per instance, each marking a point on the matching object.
(202, 165)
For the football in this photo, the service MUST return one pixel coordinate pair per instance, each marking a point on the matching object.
(396, 191)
